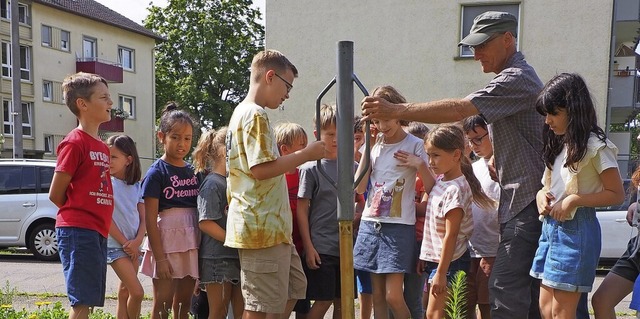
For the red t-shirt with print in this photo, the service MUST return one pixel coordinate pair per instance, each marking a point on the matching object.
(89, 201)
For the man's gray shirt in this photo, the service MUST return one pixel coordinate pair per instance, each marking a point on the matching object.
(507, 103)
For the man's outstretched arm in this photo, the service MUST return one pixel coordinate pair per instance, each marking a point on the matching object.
(441, 111)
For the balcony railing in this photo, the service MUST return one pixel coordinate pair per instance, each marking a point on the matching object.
(111, 71)
(625, 72)
(116, 124)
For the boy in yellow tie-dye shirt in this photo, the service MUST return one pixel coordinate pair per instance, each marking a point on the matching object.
(259, 220)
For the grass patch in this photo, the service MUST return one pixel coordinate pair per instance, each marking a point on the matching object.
(7, 293)
(15, 251)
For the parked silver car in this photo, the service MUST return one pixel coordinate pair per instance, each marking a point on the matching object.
(27, 216)
(616, 232)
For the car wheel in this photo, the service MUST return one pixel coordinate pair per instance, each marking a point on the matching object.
(43, 242)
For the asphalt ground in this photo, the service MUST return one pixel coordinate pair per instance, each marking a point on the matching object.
(43, 281)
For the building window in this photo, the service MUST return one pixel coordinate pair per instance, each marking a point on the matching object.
(126, 58)
(128, 103)
(50, 38)
(23, 14)
(47, 90)
(48, 144)
(25, 61)
(64, 40)
(23, 11)
(6, 59)
(470, 12)
(89, 48)
(4, 9)
(46, 36)
(27, 119)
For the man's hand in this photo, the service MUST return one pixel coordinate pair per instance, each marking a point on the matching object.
(379, 108)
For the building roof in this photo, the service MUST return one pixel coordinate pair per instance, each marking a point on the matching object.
(95, 11)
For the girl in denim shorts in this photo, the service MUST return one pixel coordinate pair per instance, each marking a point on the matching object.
(219, 266)
(448, 220)
(386, 237)
(128, 228)
(581, 173)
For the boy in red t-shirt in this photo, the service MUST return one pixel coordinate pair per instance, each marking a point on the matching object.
(291, 137)
(81, 188)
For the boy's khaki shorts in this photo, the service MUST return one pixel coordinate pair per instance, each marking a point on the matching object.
(270, 277)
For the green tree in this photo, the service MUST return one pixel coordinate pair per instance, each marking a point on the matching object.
(204, 63)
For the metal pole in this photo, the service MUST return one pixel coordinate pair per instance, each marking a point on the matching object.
(345, 174)
(16, 92)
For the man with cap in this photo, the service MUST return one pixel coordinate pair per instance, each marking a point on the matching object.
(507, 104)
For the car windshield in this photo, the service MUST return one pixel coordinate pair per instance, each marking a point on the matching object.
(630, 197)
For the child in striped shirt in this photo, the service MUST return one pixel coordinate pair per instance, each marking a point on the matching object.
(449, 222)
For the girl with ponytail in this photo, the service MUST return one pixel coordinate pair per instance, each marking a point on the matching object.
(449, 222)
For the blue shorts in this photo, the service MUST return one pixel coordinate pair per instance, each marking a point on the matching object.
(384, 248)
(218, 271)
(83, 254)
(363, 279)
(114, 254)
(568, 252)
(463, 263)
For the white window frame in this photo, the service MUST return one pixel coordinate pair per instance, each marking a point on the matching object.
(469, 12)
(132, 105)
(65, 45)
(47, 90)
(48, 144)
(94, 48)
(23, 14)
(45, 29)
(122, 53)
(26, 68)
(8, 122)
(6, 59)
(6, 65)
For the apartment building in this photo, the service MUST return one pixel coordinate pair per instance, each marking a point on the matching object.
(61, 37)
(413, 45)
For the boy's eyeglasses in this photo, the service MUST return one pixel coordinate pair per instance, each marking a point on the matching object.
(289, 85)
(477, 141)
